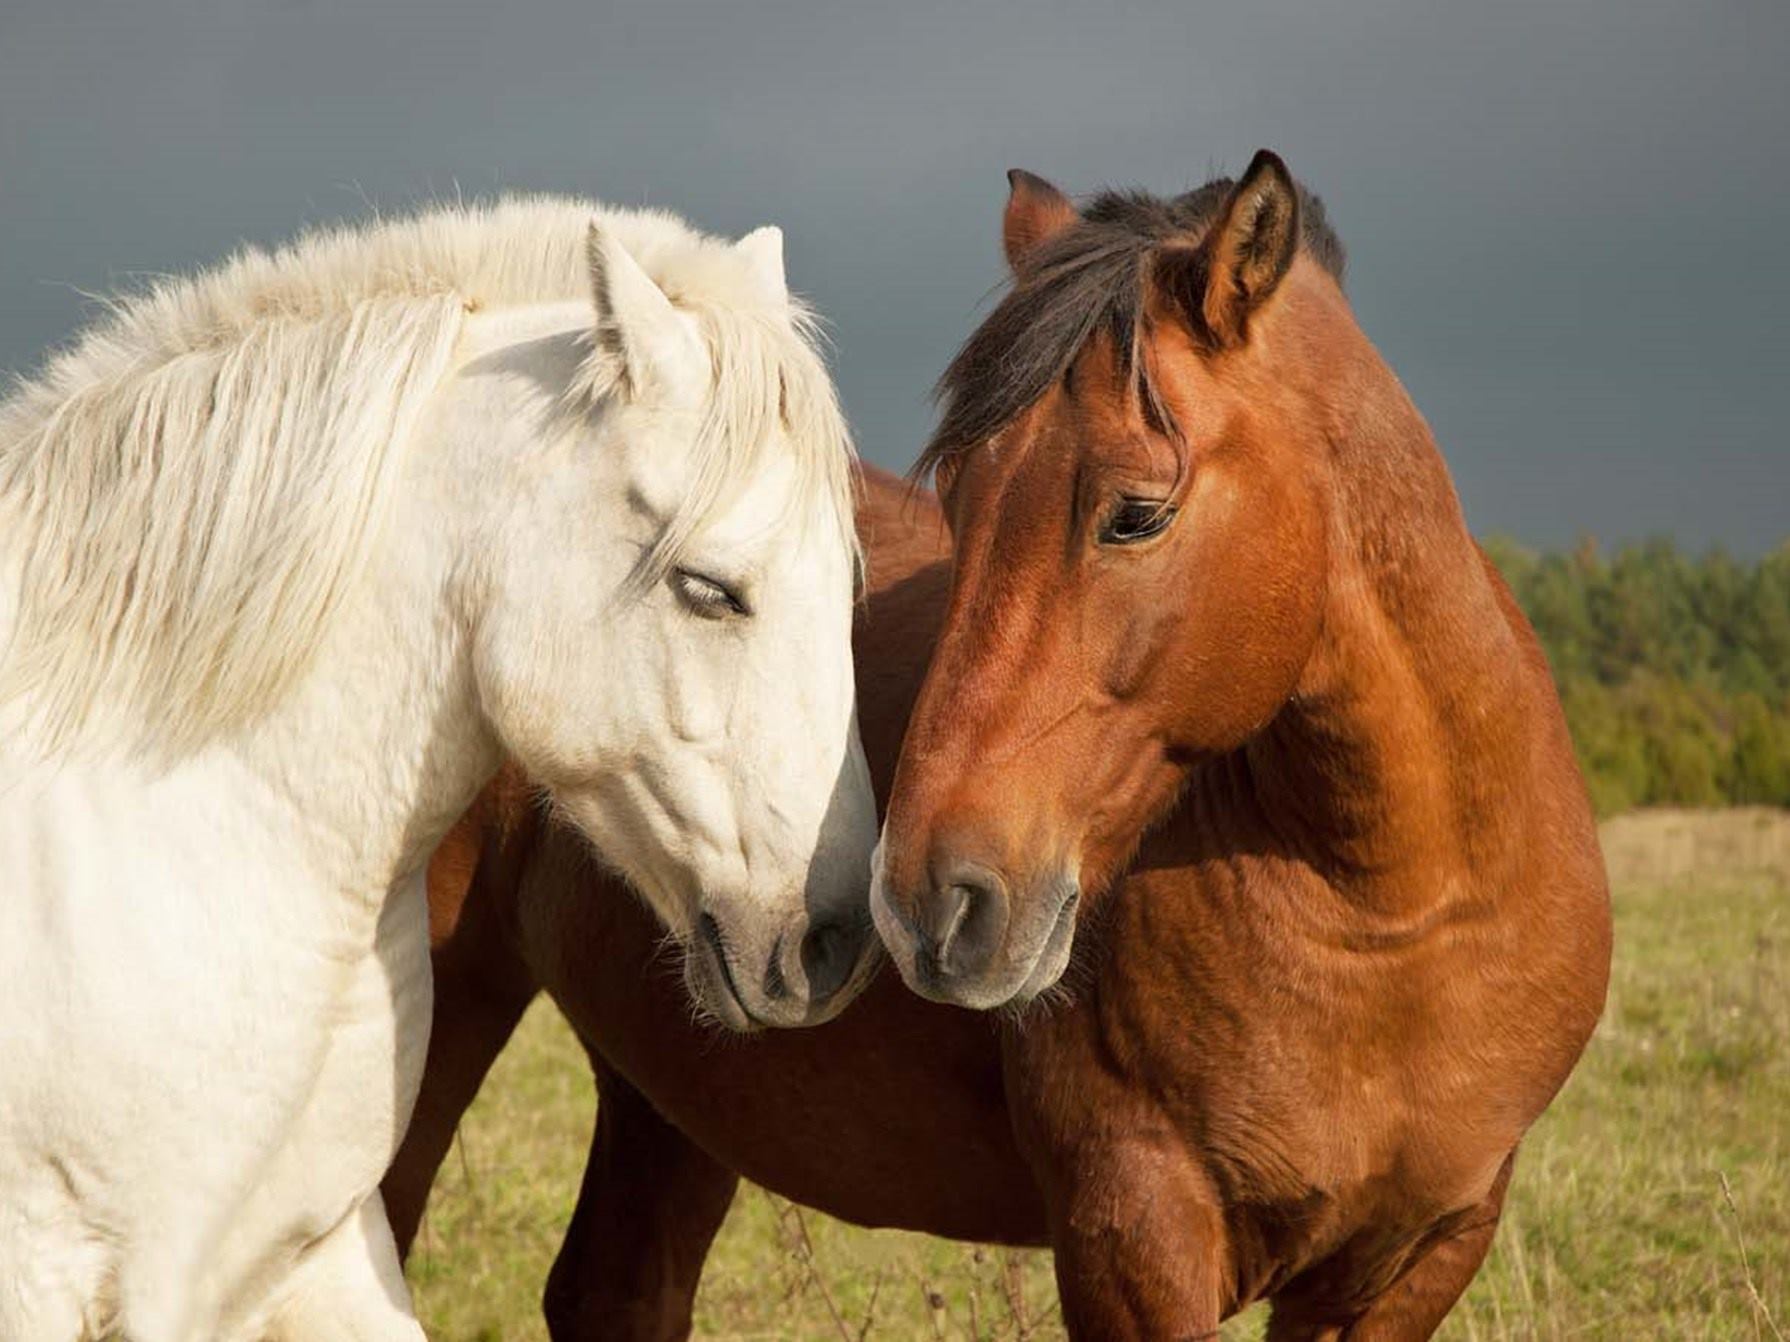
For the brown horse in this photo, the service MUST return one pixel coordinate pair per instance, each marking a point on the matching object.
(1221, 677)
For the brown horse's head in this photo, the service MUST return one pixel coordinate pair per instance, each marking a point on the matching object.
(1132, 458)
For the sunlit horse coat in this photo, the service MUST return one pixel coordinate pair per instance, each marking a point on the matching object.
(290, 555)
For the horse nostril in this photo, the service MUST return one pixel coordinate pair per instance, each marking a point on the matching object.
(829, 953)
(962, 921)
(941, 915)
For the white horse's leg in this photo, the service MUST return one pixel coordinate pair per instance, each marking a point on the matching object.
(349, 1287)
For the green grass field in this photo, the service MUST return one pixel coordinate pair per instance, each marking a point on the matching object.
(1651, 1201)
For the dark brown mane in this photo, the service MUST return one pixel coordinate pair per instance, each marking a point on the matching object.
(1087, 279)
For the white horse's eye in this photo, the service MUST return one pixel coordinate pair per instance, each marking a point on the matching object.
(706, 596)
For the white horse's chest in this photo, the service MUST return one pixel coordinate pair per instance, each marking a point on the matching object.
(206, 1067)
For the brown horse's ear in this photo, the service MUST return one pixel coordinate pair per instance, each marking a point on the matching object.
(1245, 254)
(1036, 212)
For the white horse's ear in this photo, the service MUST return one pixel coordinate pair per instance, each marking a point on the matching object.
(637, 325)
(763, 250)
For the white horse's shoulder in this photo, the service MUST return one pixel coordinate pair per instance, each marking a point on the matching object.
(141, 914)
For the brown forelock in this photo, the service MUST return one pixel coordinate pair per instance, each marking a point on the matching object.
(1089, 278)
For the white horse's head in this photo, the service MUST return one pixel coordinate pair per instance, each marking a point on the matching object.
(662, 609)
(468, 481)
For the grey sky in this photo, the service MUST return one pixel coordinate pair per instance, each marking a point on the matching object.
(1565, 218)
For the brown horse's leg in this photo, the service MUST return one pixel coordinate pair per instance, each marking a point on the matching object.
(1415, 1305)
(482, 987)
(649, 1209)
(1137, 1241)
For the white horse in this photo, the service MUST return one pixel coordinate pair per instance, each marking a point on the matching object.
(290, 555)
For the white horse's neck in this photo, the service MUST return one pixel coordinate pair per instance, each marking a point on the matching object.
(355, 776)
(369, 759)
(380, 749)
(383, 746)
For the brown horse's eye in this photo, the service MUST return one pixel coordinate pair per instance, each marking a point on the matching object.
(1136, 520)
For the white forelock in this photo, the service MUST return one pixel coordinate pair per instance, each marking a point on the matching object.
(188, 492)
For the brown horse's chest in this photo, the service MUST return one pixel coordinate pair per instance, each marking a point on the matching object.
(1337, 1104)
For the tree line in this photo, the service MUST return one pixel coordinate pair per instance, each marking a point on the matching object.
(1674, 670)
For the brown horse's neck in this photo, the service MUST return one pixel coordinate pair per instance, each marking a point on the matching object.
(1397, 766)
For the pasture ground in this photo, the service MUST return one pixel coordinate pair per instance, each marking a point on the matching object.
(1651, 1201)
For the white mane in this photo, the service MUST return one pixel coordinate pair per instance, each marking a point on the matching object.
(190, 491)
